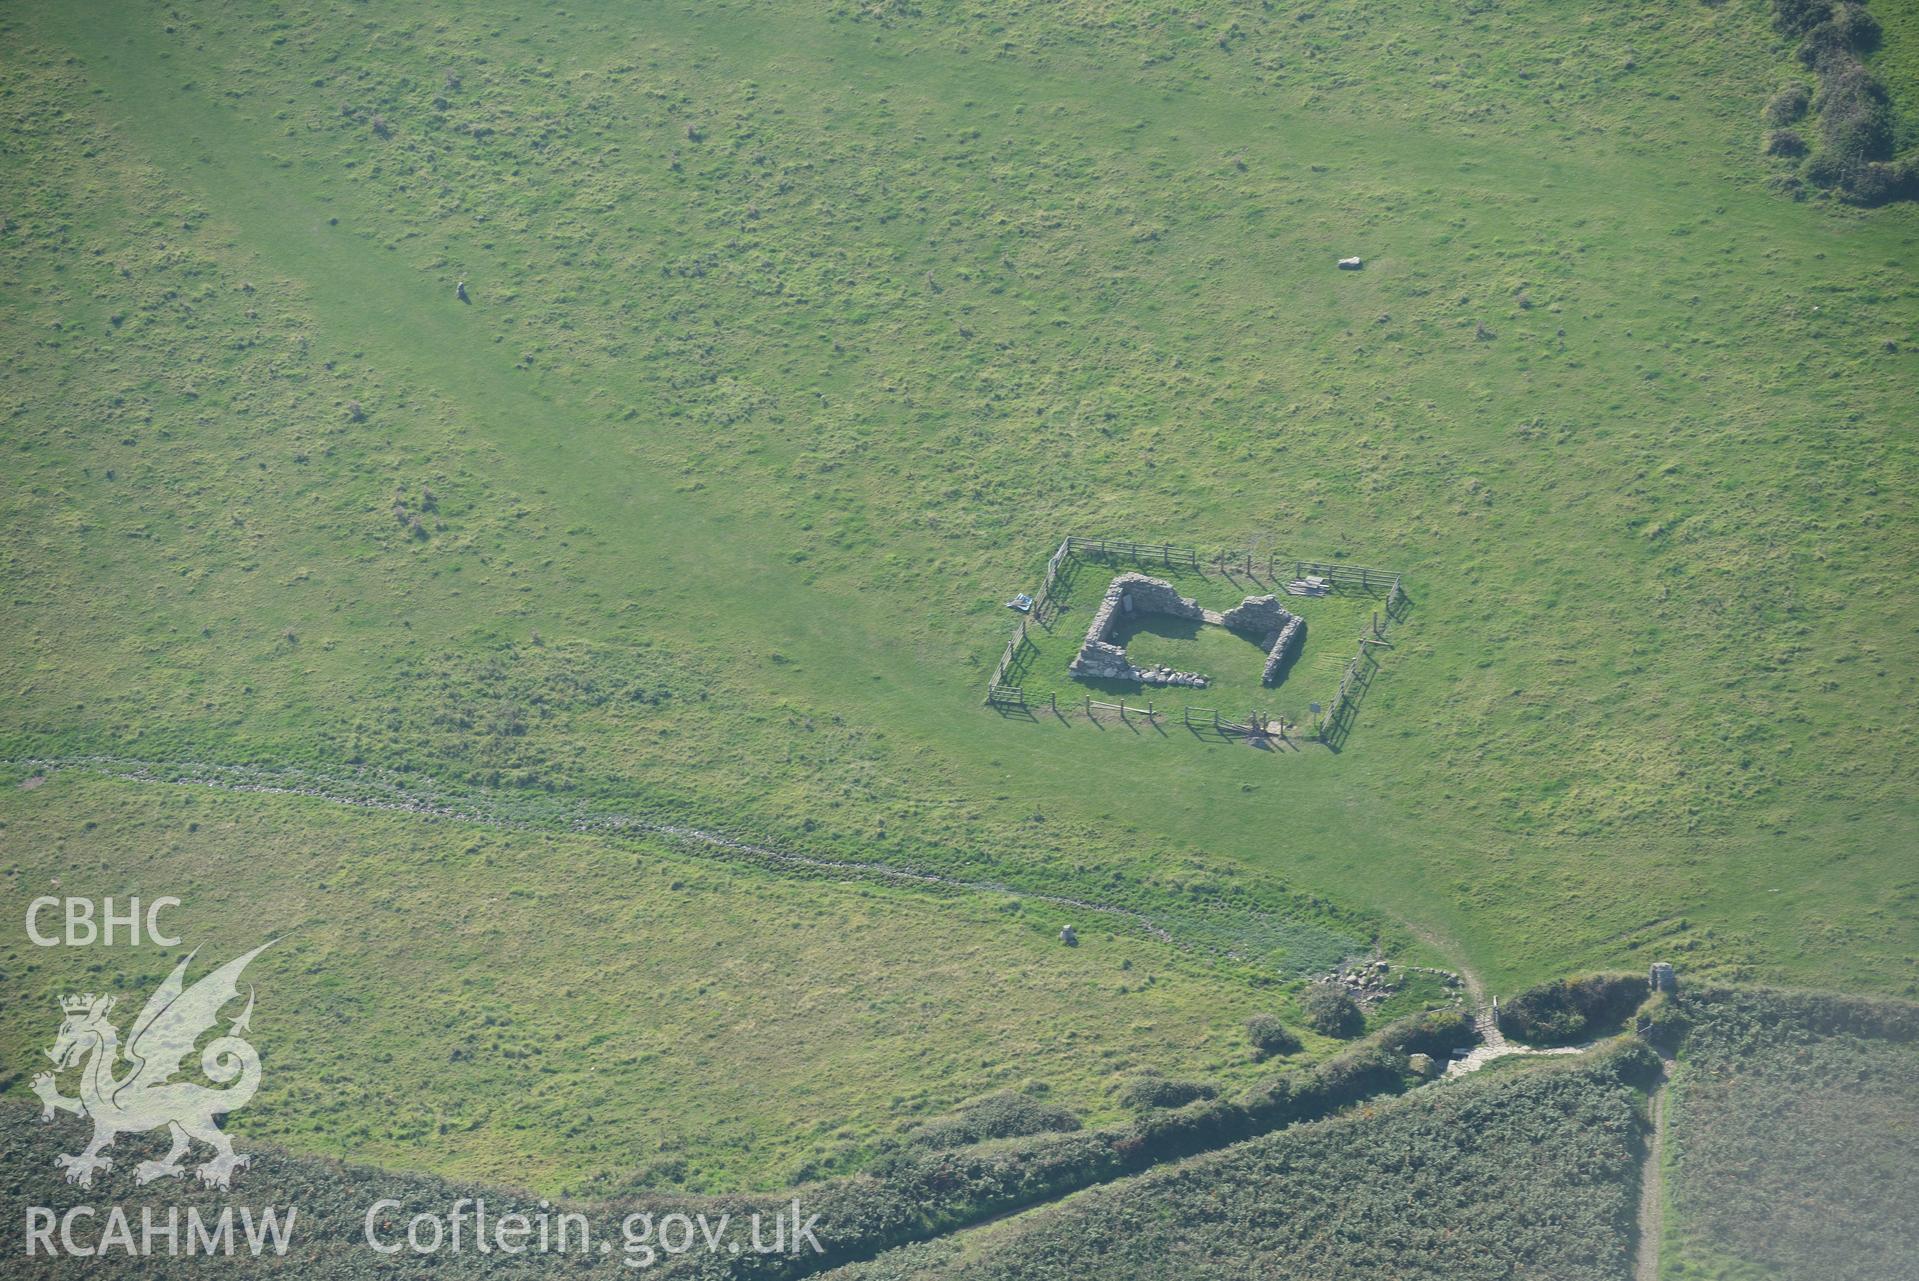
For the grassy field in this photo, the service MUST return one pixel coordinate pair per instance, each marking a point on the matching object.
(595, 1016)
(796, 337)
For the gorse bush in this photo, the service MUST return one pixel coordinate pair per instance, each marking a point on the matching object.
(1331, 1011)
(1832, 43)
(1853, 132)
(1875, 183)
(1436, 1032)
(1147, 1092)
(1569, 1010)
(1855, 116)
(1849, 33)
(1785, 142)
(1796, 17)
(997, 1116)
(1270, 1038)
(1788, 105)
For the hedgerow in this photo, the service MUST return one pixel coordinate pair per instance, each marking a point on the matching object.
(1529, 1175)
(915, 1195)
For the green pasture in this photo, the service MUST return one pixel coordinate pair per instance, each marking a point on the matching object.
(797, 335)
(597, 1016)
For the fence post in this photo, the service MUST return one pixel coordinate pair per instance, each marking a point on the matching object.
(1055, 698)
(1122, 707)
(1089, 707)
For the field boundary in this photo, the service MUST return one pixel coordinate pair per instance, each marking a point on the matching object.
(1229, 928)
(1330, 727)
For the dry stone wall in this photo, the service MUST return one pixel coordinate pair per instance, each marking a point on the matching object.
(1289, 639)
(1100, 659)
(1281, 630)
(1257, 616)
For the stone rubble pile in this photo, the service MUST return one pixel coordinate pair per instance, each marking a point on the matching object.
(1099, 660)
(1167, 676)
(1367, 981)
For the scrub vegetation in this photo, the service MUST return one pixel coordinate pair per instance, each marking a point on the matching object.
(1793, 1119)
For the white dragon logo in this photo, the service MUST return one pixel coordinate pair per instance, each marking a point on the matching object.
(147, 1097)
